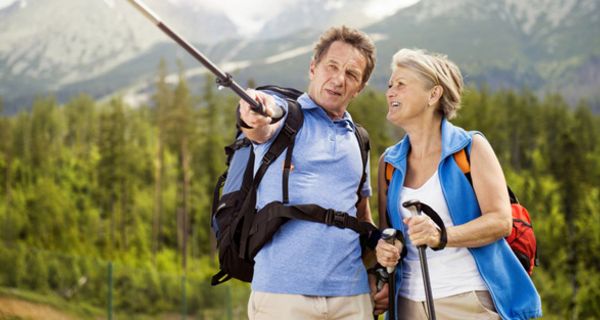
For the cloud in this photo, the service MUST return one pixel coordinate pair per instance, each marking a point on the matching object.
(6, 3)
(382, 8)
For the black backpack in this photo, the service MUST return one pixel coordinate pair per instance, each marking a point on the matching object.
(241, 231)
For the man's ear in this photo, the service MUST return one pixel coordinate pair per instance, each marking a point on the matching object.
(311, 70)
(436, 94)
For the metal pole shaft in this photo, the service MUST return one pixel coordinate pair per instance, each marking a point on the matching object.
(426, 283)
(224, 79)
(392, 296)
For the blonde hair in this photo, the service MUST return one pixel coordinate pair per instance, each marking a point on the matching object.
(435, 69)
(353, 37)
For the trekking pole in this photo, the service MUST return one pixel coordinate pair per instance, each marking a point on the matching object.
(415, 208)
(382, 278)
(224, 79)
(389, 235)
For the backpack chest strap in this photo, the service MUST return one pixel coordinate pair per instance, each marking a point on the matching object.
(268, 220)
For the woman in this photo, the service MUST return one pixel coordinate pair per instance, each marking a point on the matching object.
(476, 275)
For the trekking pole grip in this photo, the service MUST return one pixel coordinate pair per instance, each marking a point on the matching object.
(389, 235)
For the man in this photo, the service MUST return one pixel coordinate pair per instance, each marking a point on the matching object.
(311, 270)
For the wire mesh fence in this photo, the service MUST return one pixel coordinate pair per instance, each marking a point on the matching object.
(92, 288)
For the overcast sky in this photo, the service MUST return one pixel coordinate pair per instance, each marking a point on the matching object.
(250, 14)
(5, 3)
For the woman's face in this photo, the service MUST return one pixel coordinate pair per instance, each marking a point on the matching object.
(408, 96)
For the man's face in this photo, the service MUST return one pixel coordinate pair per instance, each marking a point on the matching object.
(337, 78)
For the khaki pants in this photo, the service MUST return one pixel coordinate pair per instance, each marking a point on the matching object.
(275, 306)
(468, 305)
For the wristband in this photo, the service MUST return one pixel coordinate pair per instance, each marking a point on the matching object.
(241, 122)
(443, 241)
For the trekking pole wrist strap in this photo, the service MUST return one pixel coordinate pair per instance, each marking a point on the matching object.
(440, 224)
(400, 237)
(443, 240)
(241, 123)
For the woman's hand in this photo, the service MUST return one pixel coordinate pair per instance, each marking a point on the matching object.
(423, 231)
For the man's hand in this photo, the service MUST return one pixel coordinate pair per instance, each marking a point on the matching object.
(260, 129)
(254, 119)
(388, 254)
(380, 298)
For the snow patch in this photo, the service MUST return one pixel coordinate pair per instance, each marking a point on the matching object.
(288, 54)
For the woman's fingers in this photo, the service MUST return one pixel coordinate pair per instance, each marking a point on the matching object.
(422, 230)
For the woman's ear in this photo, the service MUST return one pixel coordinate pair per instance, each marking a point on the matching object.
(435, 94)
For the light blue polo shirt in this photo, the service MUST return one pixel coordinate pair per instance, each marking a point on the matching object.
(306, 257)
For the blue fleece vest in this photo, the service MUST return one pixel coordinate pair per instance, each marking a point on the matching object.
(511, 288)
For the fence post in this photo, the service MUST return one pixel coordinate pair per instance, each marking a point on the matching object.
(110, 287)
(183, 299)
(229, 304)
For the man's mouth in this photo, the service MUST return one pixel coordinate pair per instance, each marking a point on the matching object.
(395, 104)
(335, 93)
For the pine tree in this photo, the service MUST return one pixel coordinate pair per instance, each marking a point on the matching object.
(111, 167)
(162, 102)
(181, 125)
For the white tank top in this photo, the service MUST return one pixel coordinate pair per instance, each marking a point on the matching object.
(451, 270)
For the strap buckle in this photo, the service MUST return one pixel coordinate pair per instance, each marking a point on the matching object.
(336, 218)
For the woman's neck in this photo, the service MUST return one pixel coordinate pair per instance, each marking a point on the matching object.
(425, 138)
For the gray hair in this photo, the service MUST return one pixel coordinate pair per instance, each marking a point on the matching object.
(351, 36)
(435, 69)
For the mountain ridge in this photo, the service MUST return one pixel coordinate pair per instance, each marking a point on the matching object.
(504, 43)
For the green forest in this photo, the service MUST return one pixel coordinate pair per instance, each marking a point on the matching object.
(105, 207)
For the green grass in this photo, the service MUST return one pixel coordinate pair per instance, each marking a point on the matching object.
(80, 310)
(2, 317)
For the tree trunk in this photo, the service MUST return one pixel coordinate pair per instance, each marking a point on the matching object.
(123, 214)
(185, 197)
(158, 204)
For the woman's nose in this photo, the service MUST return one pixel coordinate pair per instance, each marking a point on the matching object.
(390, 93)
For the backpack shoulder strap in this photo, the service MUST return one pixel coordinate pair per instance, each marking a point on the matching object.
(389, 172)
(295, 120)
(292, 125)
(365, 147)
(283, 140)
(462, 160)
(289, 93)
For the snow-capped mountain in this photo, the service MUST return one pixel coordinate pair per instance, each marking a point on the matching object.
(103, 46)
(46, 45)
(319, 15)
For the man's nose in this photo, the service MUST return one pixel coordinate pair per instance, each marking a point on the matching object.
(339, 78)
